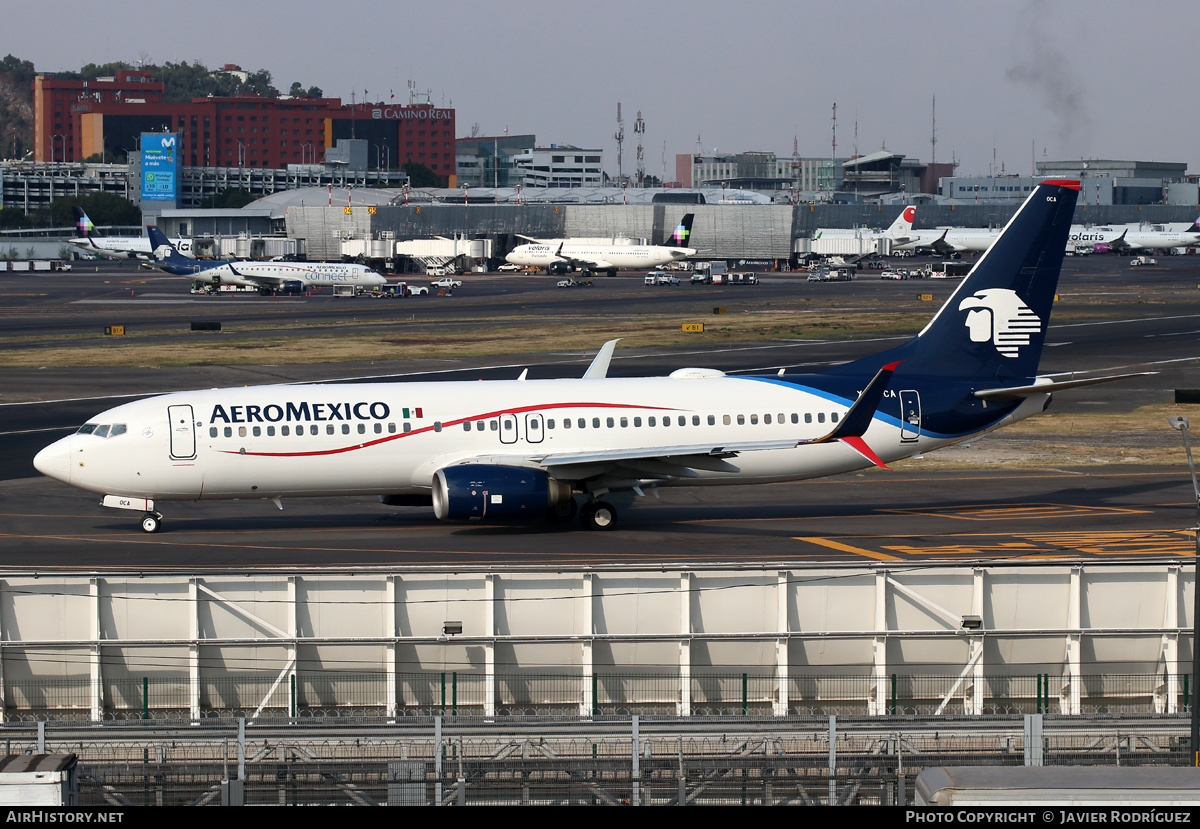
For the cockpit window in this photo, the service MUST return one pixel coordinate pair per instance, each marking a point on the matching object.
(102, 430)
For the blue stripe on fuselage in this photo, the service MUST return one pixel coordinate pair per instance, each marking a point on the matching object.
(891, 420)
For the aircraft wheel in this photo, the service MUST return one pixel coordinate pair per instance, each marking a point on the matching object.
(598, 515)
(562, 512)
(151, 522)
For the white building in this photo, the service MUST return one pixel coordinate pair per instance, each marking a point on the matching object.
(560, 165)
(758, 170)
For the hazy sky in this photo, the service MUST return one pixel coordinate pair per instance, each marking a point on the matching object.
(1066, 79)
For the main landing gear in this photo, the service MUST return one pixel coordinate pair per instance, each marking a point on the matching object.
(598, 515)
(151, 522)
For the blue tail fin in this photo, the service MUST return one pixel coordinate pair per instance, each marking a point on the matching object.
(994, 325)
(161, 247)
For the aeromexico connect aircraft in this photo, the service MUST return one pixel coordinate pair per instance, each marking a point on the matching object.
(530, 449)
(591, 256)
(268, 277)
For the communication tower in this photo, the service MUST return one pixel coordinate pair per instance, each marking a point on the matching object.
(639, 129)
(620, 136)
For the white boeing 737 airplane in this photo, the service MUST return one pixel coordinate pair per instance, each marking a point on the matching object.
(531, 449)
(600, 257)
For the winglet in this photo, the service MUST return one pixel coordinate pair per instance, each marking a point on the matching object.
(598, 370)
(858, 419)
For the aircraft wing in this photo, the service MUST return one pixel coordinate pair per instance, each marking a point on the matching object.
(543, 241)
(580, 261)
(1119, 243)
(682, 460)
(940, 245)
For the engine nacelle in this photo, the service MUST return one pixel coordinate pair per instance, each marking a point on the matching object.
(477, 490)
(1100, 247)
(291, 286)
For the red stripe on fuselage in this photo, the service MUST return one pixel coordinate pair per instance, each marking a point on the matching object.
(445, 424)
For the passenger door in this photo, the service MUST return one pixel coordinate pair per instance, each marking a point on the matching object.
(183, 432)
(910, 414)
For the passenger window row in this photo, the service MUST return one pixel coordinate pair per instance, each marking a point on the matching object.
(313, 429)
(656, 420)
(495, 425)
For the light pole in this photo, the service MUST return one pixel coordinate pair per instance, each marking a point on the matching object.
(1180, 424)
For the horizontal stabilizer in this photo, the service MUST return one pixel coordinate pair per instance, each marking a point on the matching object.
(1055, 385)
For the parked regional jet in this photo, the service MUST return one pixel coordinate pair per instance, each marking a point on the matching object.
(600, 257)
(268, 277)
(523, 449)
(117, 247)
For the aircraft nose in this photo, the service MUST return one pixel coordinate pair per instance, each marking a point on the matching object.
(55, 460)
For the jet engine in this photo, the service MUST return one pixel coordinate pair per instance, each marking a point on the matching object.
(476, 491)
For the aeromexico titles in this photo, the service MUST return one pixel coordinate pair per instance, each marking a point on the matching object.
(528, 450)
(268, 277)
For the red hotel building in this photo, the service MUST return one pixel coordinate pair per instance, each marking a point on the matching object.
(76, 119)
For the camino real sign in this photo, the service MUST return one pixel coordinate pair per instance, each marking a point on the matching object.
(160, 166)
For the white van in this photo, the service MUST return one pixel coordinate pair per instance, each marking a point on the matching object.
(661, 278)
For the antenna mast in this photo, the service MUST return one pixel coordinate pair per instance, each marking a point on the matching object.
(933, 136)
(620, 136)
(639, 129)
(835, 133)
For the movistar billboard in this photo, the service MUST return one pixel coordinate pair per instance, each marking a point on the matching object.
(160, 169)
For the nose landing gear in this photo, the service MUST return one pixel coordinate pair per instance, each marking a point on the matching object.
(151, 522)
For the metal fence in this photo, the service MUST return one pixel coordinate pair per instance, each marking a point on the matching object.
(332, 694)
(546, 761)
